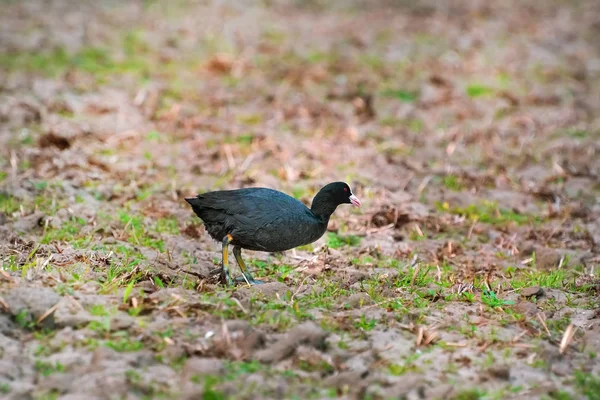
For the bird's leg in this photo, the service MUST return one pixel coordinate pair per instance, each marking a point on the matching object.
(237, 252)
(225, 277)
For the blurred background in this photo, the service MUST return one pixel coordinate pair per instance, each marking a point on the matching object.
(421, 106)
(470, 130)
(152, 97)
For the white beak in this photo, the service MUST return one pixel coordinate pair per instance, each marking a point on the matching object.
(354, 200)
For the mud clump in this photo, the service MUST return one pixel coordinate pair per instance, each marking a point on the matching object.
(267, 291)
(29, 304)
(532, 291)
(52, 139)
(29, 223)
(526, 307)
(307, 334)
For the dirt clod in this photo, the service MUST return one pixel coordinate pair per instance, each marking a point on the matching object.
(307, 334)
(52, 139)
(29, 222)
(527, 308)
(202, 366)
(268, 290)
(531, 291)
(29, 304)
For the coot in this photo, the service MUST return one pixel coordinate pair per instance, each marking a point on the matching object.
(266, 220)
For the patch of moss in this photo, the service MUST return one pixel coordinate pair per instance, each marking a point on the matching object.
(336, 241)
(489, 212)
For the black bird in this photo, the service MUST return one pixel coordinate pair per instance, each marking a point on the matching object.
(266, 220)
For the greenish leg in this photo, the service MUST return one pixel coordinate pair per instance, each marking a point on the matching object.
(237, 252)
(225, 261)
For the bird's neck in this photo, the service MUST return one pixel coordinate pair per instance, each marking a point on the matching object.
(322, 208)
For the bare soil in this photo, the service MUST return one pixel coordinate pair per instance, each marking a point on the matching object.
(470, 130)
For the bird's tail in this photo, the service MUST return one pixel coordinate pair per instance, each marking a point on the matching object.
(196, 204)
(193, 201)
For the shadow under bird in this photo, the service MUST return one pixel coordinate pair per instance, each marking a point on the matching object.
(266, 220)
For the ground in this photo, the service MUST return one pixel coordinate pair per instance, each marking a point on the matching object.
(470, 130)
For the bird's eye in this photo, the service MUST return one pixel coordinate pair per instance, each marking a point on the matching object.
(345, 189)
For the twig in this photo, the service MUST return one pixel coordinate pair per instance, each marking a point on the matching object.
(298, 290)
(567, 337)
(380, 229)
(47, 313)
(453, 344)
(414, 261)
(72, 299)
(122, 235)
(471, 229)
(419, 231)
(415, 273)
(420, 333)
(240, 305)
(196, 274)
(541, 318)
(423, 185)
(5, 275)
(519, 336)
(229, 156)
(47, 261)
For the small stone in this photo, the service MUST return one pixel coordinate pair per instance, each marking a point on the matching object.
(358, 300)
(69, 315)
(500, 372)
(546, 258)
(346, 379)
(34, 302)
(526, 307)
(561, 369)
(411, 384)
(307, 334)
(29, 222)
(268, 290)
(532, 291)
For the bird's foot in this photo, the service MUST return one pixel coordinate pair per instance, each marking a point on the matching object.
(226, 278)
(248, 279)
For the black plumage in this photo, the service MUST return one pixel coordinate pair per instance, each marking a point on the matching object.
(266, 219)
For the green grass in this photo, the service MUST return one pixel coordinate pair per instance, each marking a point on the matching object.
(588, 385)
(335, 241)
(124, 344)
(134, 227)
(97, 61)
(325, 298)
(99, 310)
(488, 212)
(167, 225)
(402, 95)
(69, 231)
(547, 279)
(453, 183)
(574, 133)
(365, 324)
(233, 371)
(477, 90)
(491, 300)
(4, 388)
(471, 394)
(249, 119)
(25, 320)
(47, 368)
(8, 204)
